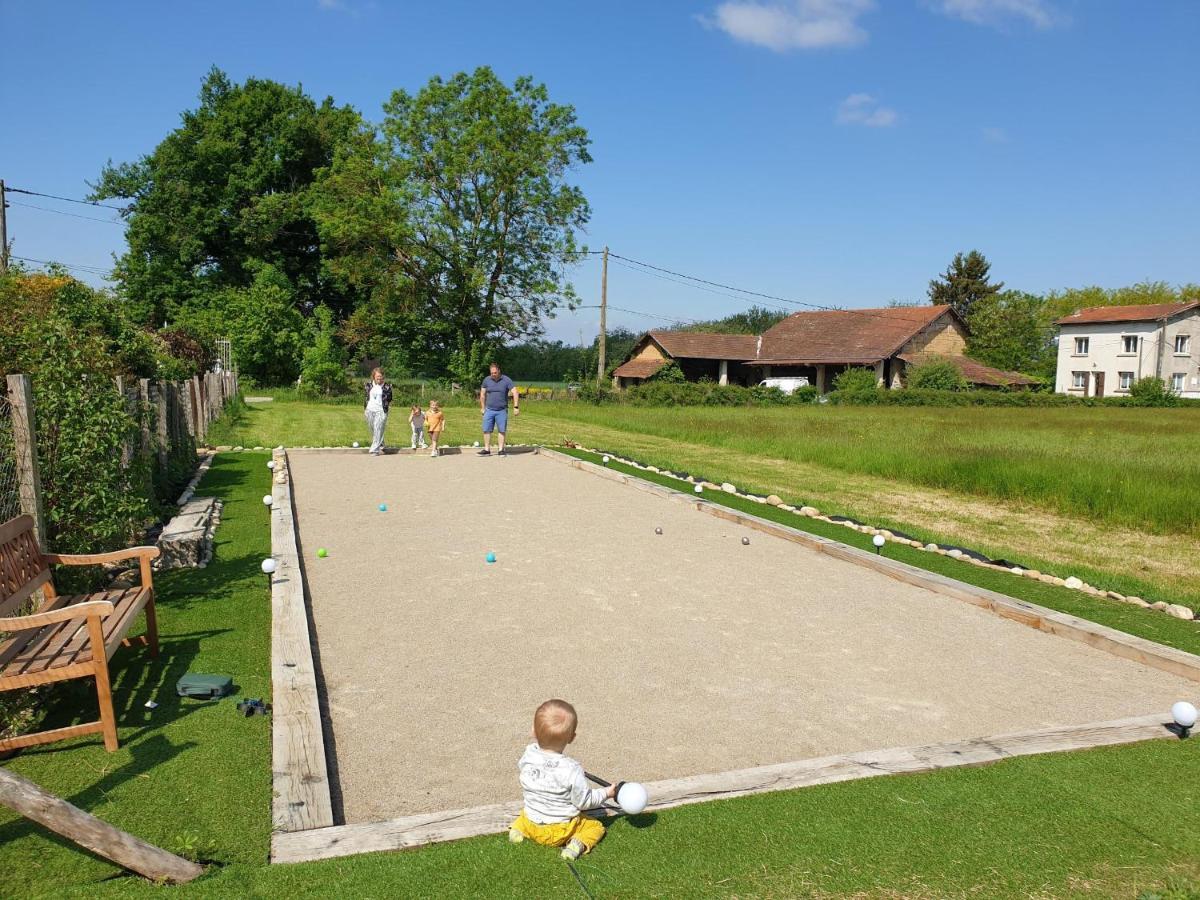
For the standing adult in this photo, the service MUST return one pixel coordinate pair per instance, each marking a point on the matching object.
(379, 400)
(493, 404)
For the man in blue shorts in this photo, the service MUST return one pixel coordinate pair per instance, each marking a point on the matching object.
(493, 403)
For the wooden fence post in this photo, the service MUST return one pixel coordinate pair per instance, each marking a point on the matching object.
(143, 407)
(127, 441)
(91, 833)
(160, 424)
(29, 479)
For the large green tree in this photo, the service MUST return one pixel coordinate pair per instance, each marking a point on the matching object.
(964, 284)
(1013, 330)
(457, 215)
(225, 192)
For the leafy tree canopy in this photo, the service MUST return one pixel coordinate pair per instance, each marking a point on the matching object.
(224, 191)
(458, 212)
(964, 284)
(1014, 331)
(754, 320)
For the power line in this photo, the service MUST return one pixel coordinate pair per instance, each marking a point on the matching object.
(93, 270)
(678, 281)
(725, 287)
(61, 212)
(64, 199)
(636, 312)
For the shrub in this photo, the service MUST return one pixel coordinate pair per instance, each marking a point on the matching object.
(1151, 391)
(324, 368)
(855, 379)
(668, 374)
(936, 375)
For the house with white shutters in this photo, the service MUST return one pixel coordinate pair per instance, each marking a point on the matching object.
(1103, 350)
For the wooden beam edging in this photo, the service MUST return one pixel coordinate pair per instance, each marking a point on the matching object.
(426, 828)
(85, 830)
(299, 772)
(1118, 643)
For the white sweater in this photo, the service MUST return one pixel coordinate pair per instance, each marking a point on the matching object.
(556, 790)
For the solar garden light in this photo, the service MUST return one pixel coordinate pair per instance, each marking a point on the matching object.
(268, 500)
(1184, 715)
(270, 464)
(268, 567)
(879, 540)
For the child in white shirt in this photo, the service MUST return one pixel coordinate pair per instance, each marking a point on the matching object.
(416, 418)
(557, 794)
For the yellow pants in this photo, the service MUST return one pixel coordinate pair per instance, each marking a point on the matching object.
(584, 829)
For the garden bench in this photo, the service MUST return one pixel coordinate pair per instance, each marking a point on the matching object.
(69, 636)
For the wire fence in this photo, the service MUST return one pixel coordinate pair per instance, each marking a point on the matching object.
(10, 489)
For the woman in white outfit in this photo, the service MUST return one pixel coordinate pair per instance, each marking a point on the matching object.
(379, 400)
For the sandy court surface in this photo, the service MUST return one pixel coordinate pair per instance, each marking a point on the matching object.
(684, 653)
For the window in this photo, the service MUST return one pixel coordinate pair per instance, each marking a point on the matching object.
(1181, 343)
(1081, 346)
(1079, 380)
(1177, 382)
(1126, 380)
(1129, 343)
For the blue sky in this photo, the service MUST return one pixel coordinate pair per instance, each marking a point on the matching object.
(831, 151)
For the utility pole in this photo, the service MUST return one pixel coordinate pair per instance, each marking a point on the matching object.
(603, 316)
(3, 231)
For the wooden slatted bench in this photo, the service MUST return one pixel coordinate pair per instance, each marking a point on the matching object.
(69, 636)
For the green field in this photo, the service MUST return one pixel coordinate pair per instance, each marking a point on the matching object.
(195, 778)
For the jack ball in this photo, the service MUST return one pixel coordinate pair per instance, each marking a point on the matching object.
(322, 553)
(491, 557)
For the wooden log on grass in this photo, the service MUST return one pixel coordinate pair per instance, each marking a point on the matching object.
(92, 834)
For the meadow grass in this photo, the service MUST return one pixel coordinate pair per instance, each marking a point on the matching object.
(195, 778)
(1136, 468)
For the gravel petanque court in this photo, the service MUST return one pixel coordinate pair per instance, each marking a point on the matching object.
(686, 652)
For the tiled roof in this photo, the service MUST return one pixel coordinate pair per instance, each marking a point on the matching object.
(639, 368)
(699, 345)
(851, 336)
(974, 371)
(1148, 313)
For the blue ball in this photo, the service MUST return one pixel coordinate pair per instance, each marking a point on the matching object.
(383, 507)
(491, 557)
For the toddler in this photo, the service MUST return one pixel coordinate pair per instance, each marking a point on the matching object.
(416, 418)
(556, 791)
(435, 423)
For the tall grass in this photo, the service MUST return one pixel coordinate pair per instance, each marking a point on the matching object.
(1131, 467)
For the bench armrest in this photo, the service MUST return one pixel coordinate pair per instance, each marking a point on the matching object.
(92, 559)
(99, 608)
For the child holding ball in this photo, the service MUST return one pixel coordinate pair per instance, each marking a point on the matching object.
(556, 790)
(379, 399)
(435, 423)
(416, 418)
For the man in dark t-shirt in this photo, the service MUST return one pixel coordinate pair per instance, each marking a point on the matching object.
(493, 403)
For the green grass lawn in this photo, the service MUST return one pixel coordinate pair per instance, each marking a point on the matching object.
(195, 778)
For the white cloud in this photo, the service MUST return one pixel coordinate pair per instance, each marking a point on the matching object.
(863, 109)
(994, 135)
(792, 24)
(1038, 13)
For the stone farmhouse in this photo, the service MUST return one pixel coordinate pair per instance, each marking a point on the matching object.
(1103, 350)
(818, 345)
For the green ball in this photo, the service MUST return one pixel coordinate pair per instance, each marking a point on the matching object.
(322, 553)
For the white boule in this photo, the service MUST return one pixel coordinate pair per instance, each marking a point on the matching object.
(1184, 714)
(631, 798)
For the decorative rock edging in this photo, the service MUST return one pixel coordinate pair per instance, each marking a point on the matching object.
(1072, 582)
(205, 463)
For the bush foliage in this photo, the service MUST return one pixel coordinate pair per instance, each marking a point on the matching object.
(936, 375)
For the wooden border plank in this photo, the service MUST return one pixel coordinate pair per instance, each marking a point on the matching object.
(299, 773)
(426, 828)
(1101, 637)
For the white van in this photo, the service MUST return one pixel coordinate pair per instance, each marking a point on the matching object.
(787, 385)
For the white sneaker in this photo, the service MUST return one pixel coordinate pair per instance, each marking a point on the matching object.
(433, 453)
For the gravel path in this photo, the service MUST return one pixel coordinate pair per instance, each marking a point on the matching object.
(684, 652)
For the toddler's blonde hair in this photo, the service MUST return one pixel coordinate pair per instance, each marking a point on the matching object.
(554, 723)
